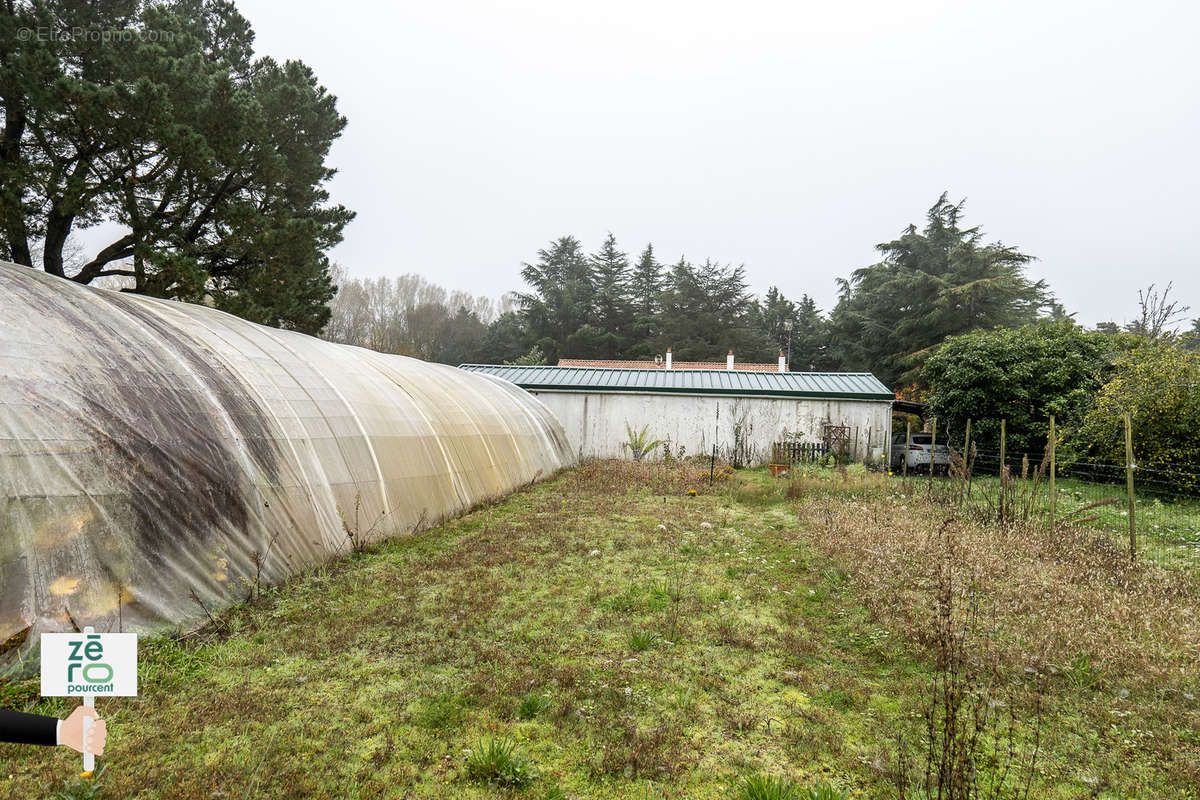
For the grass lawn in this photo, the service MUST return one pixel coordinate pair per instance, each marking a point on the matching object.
(629, 640)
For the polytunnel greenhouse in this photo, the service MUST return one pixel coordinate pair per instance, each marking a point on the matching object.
(156, 455)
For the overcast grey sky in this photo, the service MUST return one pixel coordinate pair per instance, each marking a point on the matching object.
(791, 137)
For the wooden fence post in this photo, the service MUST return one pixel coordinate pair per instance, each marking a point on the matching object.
(1003, 465)
(1053, 464)
(1129, 485)
(967, 458)
(1003, 440)
(932, 450)
(907, 443)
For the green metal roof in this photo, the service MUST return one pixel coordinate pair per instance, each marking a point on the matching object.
(833, 385)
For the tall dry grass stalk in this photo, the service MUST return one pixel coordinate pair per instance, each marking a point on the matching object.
(1053, 594)
(1010, 499)
(676, 476)
(969, 715)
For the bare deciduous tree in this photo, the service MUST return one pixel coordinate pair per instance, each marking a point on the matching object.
(1158, 314)
(408, 315)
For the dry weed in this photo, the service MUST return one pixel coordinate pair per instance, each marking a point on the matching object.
(1052, 595)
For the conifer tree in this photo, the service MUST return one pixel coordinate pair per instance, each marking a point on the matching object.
(645, 289)
(930, 284)
(708, 310)
(208, 162)
(779, 316)
(562, 298)
(613, 305)
(810, 344)
(800, 330)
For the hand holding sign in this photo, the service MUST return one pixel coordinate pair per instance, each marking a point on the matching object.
(71, 733)
(88, 665)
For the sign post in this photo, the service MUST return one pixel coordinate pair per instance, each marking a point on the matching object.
(89, 665)
(89, 759)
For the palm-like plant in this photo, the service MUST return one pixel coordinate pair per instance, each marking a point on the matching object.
(641, 442)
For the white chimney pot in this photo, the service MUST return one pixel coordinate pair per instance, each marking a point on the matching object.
(729, 361)
(668, 358)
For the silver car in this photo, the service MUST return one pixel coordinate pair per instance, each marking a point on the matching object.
(921, 453)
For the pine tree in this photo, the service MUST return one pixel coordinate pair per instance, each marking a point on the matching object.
(684, 320)
(708, 310)
(613, 305)
(507, 339)
(562, 299)
(810, 339)
(800, 330)
(645, 290)
(779, 317)
(209, 163)
(930, 284)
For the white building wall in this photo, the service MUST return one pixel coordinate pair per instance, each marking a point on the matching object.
(594, 422)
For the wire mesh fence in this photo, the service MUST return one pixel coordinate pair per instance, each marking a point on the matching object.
(1151, 512)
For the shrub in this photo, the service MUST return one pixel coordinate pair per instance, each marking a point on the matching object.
(495, 761)
(970, 713)
(1157, 386)
(1021, 374)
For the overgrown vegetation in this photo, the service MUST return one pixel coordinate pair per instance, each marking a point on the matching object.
(970, 717)
(1167, 505)
(1159, 387)
(1022, 375)
(769, 787)
(533, 705)
(796, 628)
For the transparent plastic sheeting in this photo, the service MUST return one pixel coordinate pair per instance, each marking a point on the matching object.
(156, 456)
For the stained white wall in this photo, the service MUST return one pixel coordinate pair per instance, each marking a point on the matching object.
(594, 422)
